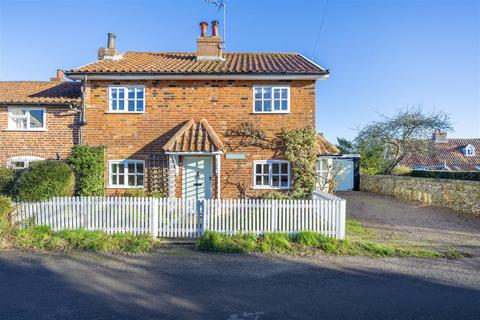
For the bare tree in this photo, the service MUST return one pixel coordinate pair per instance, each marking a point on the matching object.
(406, 132)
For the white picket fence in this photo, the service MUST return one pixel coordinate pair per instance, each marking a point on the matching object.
(181, 218)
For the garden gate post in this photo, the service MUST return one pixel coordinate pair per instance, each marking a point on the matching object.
(154, 217)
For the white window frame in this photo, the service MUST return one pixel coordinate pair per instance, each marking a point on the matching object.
(125, 174)
(25, 159)
(11, 124)
(270, 174)
(273, 87)
(469, 151)
(125, 98)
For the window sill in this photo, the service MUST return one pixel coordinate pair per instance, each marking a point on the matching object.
(26, 130)
(270, 188)
(124, 112)
(276, 112)
(124, 187)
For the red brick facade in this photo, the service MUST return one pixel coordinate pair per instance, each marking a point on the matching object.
(56, 141)
(169, 104)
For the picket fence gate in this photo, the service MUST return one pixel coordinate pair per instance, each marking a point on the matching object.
(186, 218)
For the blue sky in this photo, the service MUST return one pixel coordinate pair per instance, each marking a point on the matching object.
(383, 55)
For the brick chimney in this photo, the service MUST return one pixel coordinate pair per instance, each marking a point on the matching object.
(110, 52)
(59, 77)
(209, 47)
(439, 136)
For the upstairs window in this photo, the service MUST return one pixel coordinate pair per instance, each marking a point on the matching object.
(469, 151)
(271, 99)
(271, 174)
(29, 119)
(127, 174)
(126, 99)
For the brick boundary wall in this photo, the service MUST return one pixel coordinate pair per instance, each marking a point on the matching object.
(459, 195)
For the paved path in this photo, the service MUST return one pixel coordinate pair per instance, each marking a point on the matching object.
(180, 283)
(403, 222)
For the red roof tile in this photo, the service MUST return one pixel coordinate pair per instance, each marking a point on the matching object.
(185, 62)
(194, 137)
(43, 92)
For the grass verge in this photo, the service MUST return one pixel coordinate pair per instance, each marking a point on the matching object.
(43, 238)
(310, 241)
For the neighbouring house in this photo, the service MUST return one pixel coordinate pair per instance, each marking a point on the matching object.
(163, 117)
(447, 154)
(38, 120)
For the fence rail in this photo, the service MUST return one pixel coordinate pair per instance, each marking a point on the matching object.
(187, 218)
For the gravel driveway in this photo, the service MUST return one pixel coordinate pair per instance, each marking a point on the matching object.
(180, 283)
(402, 222)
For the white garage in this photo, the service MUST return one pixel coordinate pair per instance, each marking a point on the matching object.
(345, 169)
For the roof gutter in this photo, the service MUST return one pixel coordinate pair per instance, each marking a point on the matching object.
(40, 103)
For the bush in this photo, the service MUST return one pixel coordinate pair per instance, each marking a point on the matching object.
(88, 163)
(43, 180)
(7, 179)
(459, 175)
(274, 242)
(276, 195)
(402, 171)
(142, 193)
(6, 229)
(43, 238)
(239, 243)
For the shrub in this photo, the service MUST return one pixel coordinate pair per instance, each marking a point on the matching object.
(7, 179)
(43, 180)
(401, 170)
(239, 243)
(276, 195)
(459, 175)
(6, 229)
(88, 163)
(274, 242)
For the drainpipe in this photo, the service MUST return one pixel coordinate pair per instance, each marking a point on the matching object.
(82, 113)
(217, 162)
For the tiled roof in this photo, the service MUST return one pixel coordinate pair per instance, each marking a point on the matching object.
(194, 137)
(449, 153)
(185, 62)
(325, 147)
(39, 92)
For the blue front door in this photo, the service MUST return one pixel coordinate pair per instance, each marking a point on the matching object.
(197, 178)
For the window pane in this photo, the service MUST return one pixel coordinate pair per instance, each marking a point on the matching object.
(131, 93)
(284, 94)
(20, 123)
(275, 181)
(18, 112)
(258, 105)
(139, 167)
(139, 105)
(267, 93)
(258, 180)
(114, 168)
(284, 168)
(265, 168)
(114, 93)
(140, 93)
(131, 180)
(121, 180)
(36, 118)
(258, 93)
(275, 168)
(284, 105)
(276, 93)
(267, 105)
(284, 181)
(265, 180)
(258, 168)
(131, 167)
(114, 104)
(131, 105)
(140, 180)
(121, 168)
(121, 105)
(121, 93)
(276, 105)
(114, 179)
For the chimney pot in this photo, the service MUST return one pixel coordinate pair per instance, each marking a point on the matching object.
(111, 40)
(214, 28)
(203, 29)
(110, 51)
(439, 136)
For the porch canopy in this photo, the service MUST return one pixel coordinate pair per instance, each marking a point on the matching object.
(194, 137)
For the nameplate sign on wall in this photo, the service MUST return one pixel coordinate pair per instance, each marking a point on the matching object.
(235, 156)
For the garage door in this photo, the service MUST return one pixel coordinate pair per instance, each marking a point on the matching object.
(345, 174)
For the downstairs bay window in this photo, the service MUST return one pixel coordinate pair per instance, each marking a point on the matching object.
(126, 174)
(271, 174)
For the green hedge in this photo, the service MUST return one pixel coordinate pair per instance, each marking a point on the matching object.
(88, 163)
(458, 175)
(43, 180)
(7, 178)
(6, 206)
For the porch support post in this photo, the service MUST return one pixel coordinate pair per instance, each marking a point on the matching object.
(217, 172)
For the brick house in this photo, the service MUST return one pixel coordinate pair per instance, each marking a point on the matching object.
(163, 117)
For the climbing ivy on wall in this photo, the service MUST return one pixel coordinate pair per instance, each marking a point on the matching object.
(299, 146)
